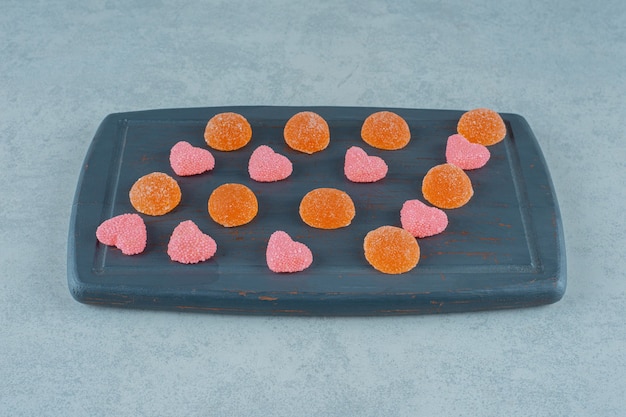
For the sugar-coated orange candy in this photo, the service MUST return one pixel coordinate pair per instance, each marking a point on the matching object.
(155, 194)
(483, 126)
(227, 132)
(385, 130)
(391, 250)
(447, 186)
(307, 132)
(233, 205)
(327, 208)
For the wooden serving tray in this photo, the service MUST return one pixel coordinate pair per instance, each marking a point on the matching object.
(504, 249)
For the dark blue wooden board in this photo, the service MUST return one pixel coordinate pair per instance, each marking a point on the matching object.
(504, 249)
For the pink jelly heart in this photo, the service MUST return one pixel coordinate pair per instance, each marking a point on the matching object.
(188, 245)
(465, 154)
(186, 159)
(127, 232)
(285, 255)
(421, 220)
(265, 165)
(361, 167)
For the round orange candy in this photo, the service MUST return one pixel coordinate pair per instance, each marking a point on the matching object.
(307, 132)
(391, 250)
(447, 186)
(327, 208)
(385, 130)
(227, 132)
(482, 126)
(232, 205)
(155, 194)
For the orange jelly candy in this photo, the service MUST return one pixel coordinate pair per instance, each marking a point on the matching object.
(307, 132)
(327, 208)
(232, 205)
(385, 130)
(482, 126)
(447, 186)
(155, 194)
(227, 132)
(391, 250)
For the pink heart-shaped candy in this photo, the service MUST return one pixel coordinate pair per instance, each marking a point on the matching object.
(188, 245)
(421, 220)
(465, 154)
(361, 167)
(285, 255)
(186, 159)
(265, 165)
(127, 232)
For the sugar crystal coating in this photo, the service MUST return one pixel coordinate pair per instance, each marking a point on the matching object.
(465, 154)
(421, 220)
(155, 194)
(265, 165)
(385, 130)
(327, 208)
(447, 186)
(232, 205)
(391, 250)
(127, 232)
(307, 132)
(227, 132)
(188, 245)
(186, 159)
(361, 167)
(283, 254)
(482, 126)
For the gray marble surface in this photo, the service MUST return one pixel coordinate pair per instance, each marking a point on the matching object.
(65, 65)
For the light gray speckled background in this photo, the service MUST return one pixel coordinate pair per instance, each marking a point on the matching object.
(64, 65)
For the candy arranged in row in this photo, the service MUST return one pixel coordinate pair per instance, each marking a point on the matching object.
(189, 245)
(445, 186)
(387, 248)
